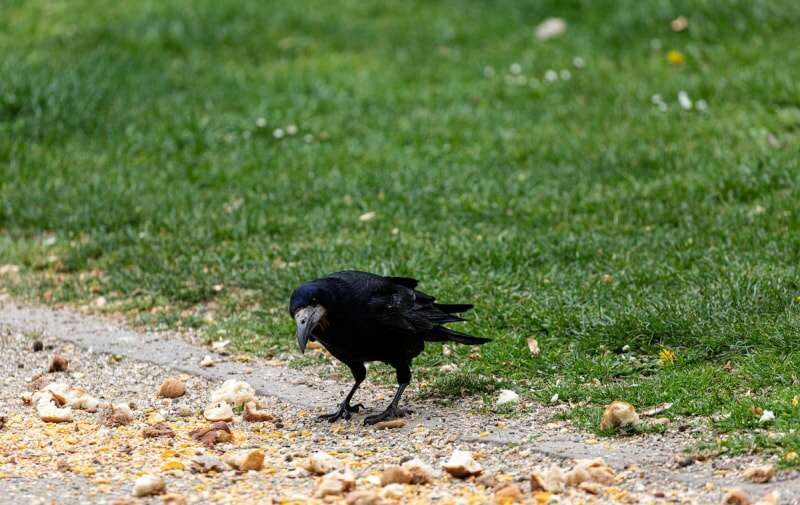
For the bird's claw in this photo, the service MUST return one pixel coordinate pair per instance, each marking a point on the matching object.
(391, 412)
(344, 411)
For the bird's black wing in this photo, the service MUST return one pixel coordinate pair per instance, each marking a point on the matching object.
(399, 311)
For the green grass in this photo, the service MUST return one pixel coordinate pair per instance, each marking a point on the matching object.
(138, 162)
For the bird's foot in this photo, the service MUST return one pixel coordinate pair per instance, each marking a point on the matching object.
(391, 412)
(344, 411)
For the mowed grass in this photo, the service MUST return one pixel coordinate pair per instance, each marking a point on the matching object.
(148, 156)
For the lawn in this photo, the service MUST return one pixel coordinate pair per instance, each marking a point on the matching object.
(189, 163)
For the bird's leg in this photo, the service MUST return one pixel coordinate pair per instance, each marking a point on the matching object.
(345, 409)
(393, 411)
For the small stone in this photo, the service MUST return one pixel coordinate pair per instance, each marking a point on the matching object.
(577, 475)
(58, 363)
(619, 414)
(38, 346)
(487, 480)
(394, 474)
(205, 464)
(335, 483)
(148, 485)
(393, 492)
(462, 465)
(321, 463)
(126, 500)
(158, 430)
(551, 481)
(759, 474)
(507, 396)
(172, 388)
(421, 473)
(390, 425)
(597, 469)
(252, 414)
(174, 499)
(219, 411)
(591, 487)
(772, 498)
(184, 411)
(679, 24)
(363, 498)
(245, 460)
(207, 361)
(533, 346)
(218, 432)
(3, 419)
(115, 415)
(736, 496)
(550, 28)
(509, 493)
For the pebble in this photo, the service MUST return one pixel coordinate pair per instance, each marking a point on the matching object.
(148, 485)
(321, 463)
(394, 474)
(58, 363)
(252, 414)
(245, 460)
(172, 388)
(507, 396)
(462, 465)
(335, 483)
(618, 414)
(759, 474)
(219, 411)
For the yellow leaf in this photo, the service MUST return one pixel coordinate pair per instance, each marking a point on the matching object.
(86, 471)
(169, 453)
(172, 465)
(533, 346)
(795, 401)
(790, 456)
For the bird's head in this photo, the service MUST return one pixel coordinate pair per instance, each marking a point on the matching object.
(307, 307)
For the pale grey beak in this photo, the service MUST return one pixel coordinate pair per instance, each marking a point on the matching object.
(307, 319)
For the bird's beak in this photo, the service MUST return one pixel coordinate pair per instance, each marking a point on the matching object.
(307, 319)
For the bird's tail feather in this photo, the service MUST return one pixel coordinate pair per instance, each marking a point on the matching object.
(442, 334)
(453, 308)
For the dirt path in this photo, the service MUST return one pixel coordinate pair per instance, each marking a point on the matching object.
(83, 461)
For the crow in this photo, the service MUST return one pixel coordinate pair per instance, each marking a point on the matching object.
(361, 317)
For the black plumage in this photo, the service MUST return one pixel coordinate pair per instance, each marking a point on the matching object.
(361, 317)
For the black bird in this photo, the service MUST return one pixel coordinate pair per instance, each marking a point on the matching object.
(360, 317)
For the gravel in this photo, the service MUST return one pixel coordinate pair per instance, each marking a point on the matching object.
(85, 461)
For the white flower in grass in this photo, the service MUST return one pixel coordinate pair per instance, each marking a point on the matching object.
(515, 68)
(278, 133)
(767, 416)
(684, 100)
(550, 75)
